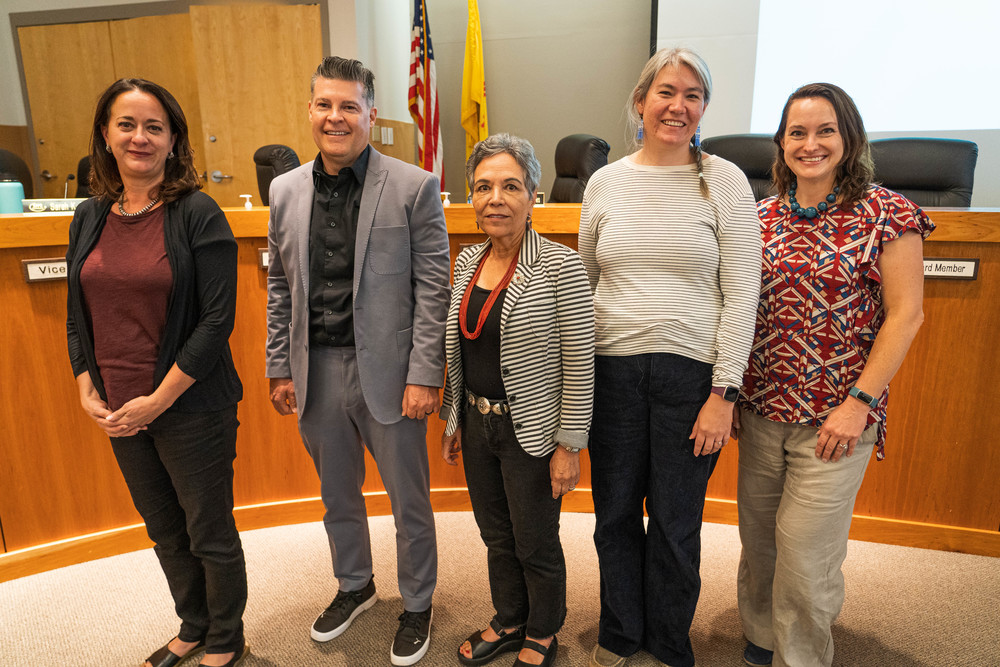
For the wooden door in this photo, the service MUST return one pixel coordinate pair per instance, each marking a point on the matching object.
(254, 63)
(160, 49)
(66, 68)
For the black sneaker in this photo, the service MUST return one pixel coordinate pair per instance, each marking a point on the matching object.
(342, 611)
(413, 637)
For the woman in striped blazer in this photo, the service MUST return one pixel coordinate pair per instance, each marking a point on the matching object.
(518, 398)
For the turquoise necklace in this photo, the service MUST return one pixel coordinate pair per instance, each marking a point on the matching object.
(811, 212)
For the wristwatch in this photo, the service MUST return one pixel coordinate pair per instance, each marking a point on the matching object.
(863, 397)
(571, 450)
(731, 394)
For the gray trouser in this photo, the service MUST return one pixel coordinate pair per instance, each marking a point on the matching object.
(336, 426)
(795, 515)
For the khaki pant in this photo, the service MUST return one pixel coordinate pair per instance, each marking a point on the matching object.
(795, 514)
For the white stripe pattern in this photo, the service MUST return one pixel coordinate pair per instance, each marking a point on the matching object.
(672, 271)
(546, 346)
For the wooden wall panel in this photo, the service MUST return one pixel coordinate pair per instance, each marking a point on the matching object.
(58, 476)
(253, 68)
(160, 49)
(66, 68)
(941, 462)
(404, 146)
(14, 138)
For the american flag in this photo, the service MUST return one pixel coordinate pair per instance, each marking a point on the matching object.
(423, 93)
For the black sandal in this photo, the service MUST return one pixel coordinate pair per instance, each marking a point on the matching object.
(164, 657)
(484, 651)
(548, 652)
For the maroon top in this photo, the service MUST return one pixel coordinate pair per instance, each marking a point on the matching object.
(126, 283)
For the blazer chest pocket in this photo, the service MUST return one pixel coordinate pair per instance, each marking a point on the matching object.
(389, 250)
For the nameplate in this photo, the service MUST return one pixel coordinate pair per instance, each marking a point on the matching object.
(952, 269)
(41, 270)
(263, 258)
(51, 205)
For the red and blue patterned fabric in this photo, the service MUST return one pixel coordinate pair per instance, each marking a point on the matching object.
(821, 305)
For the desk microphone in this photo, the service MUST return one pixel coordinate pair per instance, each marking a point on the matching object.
(69, 177)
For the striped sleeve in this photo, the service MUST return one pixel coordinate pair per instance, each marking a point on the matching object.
(575, 319)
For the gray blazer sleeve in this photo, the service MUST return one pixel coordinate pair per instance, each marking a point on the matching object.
(429, 256)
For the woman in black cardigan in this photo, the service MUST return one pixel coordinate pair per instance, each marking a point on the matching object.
(151, 305)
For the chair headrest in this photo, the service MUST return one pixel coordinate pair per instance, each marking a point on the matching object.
(282, 158)
(580, 155)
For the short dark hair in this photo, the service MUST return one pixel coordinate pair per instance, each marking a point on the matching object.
(344, 69)
(516, 147)
(855, 172)
(179, 175)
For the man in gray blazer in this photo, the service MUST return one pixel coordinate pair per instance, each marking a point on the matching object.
(357, 295)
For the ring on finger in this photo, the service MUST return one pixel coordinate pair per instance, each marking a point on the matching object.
(843, 445)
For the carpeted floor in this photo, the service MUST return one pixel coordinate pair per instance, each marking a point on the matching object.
(905, 607)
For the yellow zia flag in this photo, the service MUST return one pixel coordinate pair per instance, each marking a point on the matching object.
(474, 84)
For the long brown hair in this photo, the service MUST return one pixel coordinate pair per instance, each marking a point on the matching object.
(855, 172)
(179, 176)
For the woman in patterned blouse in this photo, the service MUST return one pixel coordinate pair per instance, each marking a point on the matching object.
(840, 304)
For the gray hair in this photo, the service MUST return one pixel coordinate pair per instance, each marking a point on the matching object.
(343, 69)
(518, 148)
(662, 58)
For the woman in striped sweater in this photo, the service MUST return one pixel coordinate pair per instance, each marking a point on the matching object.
(671, 243)
(518, 397)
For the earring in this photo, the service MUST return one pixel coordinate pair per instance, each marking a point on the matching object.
(107, 148)
(170, 155)
(697, 136)
(638, 136)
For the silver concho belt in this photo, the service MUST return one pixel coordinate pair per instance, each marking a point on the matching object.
(486, 406)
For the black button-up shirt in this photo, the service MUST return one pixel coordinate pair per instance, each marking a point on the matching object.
(332, 233)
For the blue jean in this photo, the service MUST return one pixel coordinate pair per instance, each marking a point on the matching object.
(179, 472)
(518, 519)
(644, 409)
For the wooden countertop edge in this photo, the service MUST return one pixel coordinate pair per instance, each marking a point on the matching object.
(85, 548)
(41, 230)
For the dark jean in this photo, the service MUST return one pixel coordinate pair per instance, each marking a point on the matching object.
(180, 474)
(518, 519)
(644, 409)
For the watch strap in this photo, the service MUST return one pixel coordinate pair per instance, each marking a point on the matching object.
(868, 399)
(731, 394)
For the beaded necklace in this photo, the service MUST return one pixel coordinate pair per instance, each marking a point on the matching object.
(811, 212)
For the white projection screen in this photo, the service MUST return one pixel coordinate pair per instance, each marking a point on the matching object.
(914, 65)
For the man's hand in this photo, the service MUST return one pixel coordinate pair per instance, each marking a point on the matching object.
(283, 396)
(420, 401)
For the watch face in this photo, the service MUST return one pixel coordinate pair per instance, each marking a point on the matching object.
(732, 394)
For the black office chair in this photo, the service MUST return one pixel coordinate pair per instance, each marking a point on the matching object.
(752, 153)
(928, 172)
(13, 168)
(272, 160)
(83, 177)
(578, 156)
